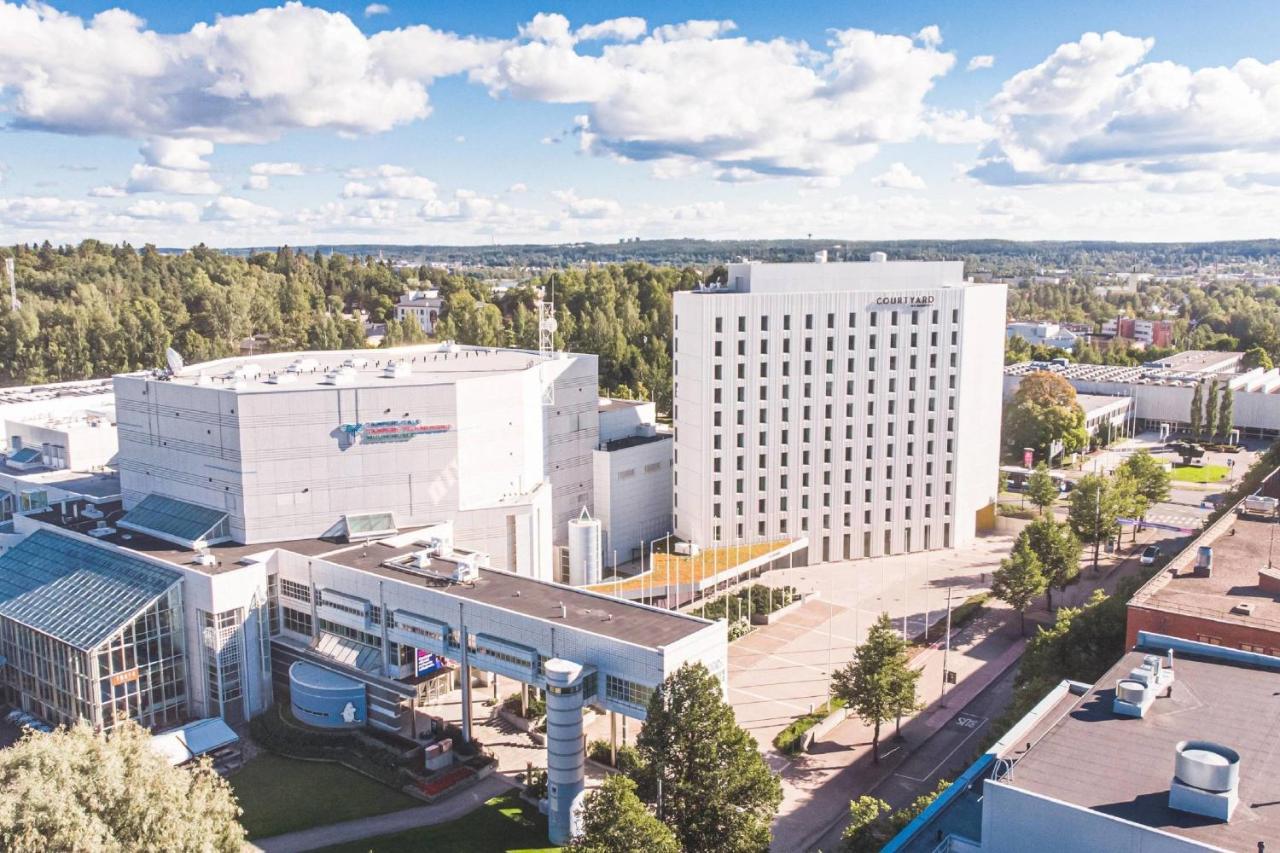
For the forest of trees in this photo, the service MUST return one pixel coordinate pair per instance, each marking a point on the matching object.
(93, 310)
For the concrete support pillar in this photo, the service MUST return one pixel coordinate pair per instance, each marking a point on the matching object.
(566, 759)
(613, 738)
(464, 674)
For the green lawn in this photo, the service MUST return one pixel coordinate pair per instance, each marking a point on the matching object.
(505, 824)
(1202, 474)
(281, 795)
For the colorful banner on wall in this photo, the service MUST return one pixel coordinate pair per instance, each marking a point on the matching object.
(428, 663)
(385, 431)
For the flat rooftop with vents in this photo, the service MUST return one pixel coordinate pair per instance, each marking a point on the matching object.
(1078, 775)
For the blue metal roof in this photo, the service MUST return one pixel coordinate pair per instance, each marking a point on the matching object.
(176, 521)
(76, 591)
(24, 456)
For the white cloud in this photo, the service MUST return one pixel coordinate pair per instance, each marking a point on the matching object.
(587, 208)
(689, 92)
(386, 170)
(145, 178)
(240, 78)
(460, 139)
(976, 63)
(615, 29)
(42, 210)
(188, 154)
(376, 9)
(517, 187)
(1095, 111)
(232, 209)
(404, 186)
(258, 182)
(107, 191)
(898, 177)
(163, 211)
(278, 169)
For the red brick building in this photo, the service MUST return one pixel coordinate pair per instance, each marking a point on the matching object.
(1235, 604)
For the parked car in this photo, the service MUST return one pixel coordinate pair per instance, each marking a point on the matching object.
(1150, 554)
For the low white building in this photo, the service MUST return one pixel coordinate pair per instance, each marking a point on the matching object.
(423, 306)
(1161, 392)
(1043, 334)
(632, 476)
(79, 440)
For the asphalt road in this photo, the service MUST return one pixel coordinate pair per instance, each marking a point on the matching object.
(943, 756)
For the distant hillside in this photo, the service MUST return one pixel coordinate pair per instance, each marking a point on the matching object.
(1077, 255)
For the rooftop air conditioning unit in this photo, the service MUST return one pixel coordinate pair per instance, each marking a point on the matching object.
(396, 369)
(204, 558)
(466, 571)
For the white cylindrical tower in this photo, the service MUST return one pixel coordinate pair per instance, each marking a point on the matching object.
(566, 759)
(584, 550)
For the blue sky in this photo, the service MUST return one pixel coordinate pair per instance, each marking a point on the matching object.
(242, 124)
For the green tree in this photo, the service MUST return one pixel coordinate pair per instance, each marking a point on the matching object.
(869, 829)
(1195, 419)
(1150, 478)
(1226, 415)
(1256, 357)
(872, 683)
(614, 820)
(1020, 579)
(77, 789)
(1211, 411)
(717, 791)
(1043, 412)
(1041, 489)
(872, 824)
(1058, 550)
(1096, 506)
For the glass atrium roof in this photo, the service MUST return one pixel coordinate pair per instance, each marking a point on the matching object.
(25, 456)
(368, 525)
(76, 591)
(177, 521)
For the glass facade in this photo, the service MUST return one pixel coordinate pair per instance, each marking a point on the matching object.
(138, 673)
(224, 664)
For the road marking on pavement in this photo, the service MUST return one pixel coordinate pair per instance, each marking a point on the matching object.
(771, 699)
(973, 724)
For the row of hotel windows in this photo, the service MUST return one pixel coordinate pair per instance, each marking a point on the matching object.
(913, 341)
(717, 372)
(741, 442)
(806, 435)
(826, 460)
(927, 531)
(874, 315)
(762, 526)
(718, 396)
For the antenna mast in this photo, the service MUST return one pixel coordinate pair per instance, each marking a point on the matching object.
(547, 326)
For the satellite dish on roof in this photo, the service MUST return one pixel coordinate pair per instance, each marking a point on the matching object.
(175, 361)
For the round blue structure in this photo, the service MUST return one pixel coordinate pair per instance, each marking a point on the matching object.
(326, 699)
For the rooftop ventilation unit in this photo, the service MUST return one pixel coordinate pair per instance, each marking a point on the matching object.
(304, 365)
(283, 378)
(1244, 608)
(1206, 779)
(397, 369)
(247, 371)
(356, 361)
(204, 558)
(1137, 692)
(341, 376)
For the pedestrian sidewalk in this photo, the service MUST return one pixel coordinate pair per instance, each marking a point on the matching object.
(818, 786)
(371, 827)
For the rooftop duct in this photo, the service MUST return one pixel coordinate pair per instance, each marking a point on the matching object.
(1137, 692)
(1206, 779)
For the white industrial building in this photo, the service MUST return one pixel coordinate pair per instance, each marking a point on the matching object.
(857, 404)
(1043, 334)
(294, 445)
(1161, 391)
(632, 466)
(423, 306)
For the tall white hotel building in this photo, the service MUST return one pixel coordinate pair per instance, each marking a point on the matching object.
(855, 404)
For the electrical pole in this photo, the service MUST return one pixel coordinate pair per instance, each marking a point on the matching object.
(946, 651)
